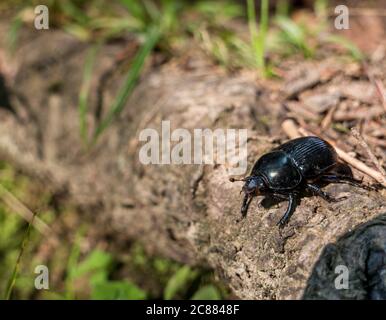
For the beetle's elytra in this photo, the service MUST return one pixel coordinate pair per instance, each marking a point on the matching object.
(293, 167)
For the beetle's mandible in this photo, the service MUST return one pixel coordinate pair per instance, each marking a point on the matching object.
(296, 166)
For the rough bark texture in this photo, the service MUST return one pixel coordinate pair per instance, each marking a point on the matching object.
(186, 212)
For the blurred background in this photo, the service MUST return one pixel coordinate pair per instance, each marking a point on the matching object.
(239, 36)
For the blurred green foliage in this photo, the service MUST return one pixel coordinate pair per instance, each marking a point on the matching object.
(13, 228)
(168, 25)
(87, 274)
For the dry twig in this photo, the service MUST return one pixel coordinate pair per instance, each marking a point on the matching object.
(365, 146)
(16, 205)
(328, 118)
(292, 130)
(378, 85)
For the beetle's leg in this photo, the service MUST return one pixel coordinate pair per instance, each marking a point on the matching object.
(279, 196)
(244, 208)
(342, 169)
(319, 192)
(332, 178)
(272, 198)
(290, 209)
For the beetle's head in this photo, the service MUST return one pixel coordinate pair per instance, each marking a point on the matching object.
(253, 186)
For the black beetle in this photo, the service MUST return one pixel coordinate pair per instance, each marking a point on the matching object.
(296, 166)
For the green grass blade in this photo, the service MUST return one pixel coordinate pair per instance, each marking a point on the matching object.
(152, 10)
(169, 14)
(295, 35)
(15, 272)
(321, 8)
(355, 52)
(252, 25)
(282, 8)
(130, 81)
(72, 264)
(263, 29)
(224, 9)
(207, 292)
(84, 92)
(71, 10)
(135, 8)
(179, 281)
(13, 33)
(258, 37)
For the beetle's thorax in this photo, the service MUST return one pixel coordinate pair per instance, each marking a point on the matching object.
(278, 170)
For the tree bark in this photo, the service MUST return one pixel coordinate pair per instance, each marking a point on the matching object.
(186, 212)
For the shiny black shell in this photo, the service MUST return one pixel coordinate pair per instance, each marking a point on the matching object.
(286, 166)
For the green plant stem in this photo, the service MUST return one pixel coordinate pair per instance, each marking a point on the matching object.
(15, 273)
(252, 25)
(13, 33)
(72, 263)
(84, 92)
(130, 82)
(258, 37)
(263, 29)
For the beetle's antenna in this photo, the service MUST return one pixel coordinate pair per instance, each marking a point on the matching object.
(233, 179)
